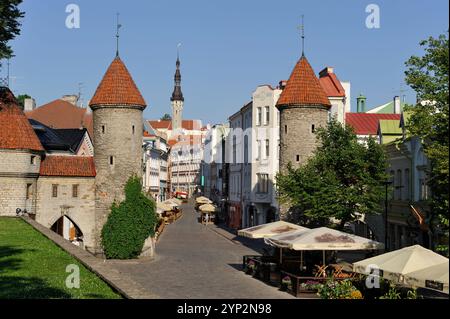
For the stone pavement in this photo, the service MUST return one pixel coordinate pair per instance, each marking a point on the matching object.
(195, 261)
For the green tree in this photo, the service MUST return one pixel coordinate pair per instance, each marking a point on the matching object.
(341, 180)
(129, 224)
(9, 25)
(21, 99)
(166, 117)
(429, 120)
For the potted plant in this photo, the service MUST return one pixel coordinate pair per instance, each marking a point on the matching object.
(286, 283)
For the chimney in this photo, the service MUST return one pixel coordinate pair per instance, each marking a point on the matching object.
(72, 99)
(29, 105)
(397, 105)
(326, 71)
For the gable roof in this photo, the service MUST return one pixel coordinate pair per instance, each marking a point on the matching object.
(62, 115)
(117, 88)
(73, 137)
(48, 137)
(68, 166)
(331, 84)
(386, 108)
(15, 130)
(303, 87)
(367, 123)
(189, 125)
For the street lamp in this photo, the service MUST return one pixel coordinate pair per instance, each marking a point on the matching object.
(386, 184)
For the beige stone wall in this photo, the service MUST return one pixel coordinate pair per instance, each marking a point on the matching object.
(118, 141)
(299, 139)
(81, 209)
(16, 171)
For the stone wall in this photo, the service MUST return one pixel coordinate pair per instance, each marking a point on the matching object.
(114, 136)
(17, 171)
(80, 210)
(299, 140)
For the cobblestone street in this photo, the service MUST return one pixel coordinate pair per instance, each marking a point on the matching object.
(197, 261)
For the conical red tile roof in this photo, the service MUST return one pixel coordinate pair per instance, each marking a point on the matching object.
(15, 129)
(303, 87)
(117, 88)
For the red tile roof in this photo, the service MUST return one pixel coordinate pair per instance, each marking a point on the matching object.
(167, 124)
(331, 85)
(185, 140)
(117, 88)
(367, 123)
(303, 87)
(61, 114)
(15, 129)
(69, 166)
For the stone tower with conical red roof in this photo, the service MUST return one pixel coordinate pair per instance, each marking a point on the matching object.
(117, 108)
(303, 107)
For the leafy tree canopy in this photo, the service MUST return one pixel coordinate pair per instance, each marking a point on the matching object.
(9, 25)
(342, 180)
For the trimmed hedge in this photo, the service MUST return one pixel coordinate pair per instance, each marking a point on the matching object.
(129, 224)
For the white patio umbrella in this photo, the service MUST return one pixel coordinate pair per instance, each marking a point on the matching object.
(396, 264)
(434, 277)
(203, 200)
(270, 229)
(164, 207)
(207, 208)
(172, 202)
(322, 238)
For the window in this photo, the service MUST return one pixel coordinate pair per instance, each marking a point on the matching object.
(285, 129)
(54, 190)
(258, 155)
(75, 190)
(398, 188)
(33, 160)
(313, 128)
(267, 148)
(267, 115)
(298, 158)
(392, 173)
(103, 129)
(263, 183)
(29, 191)
(132, 129)
(234, 149)
(423, 189)
(259, 116)
(111, 160)
(406, 188)
(246, 149)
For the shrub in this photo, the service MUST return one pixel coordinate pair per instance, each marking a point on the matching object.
(338, 290)
(129, 224)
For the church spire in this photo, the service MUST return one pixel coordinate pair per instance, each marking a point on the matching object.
(177, 95)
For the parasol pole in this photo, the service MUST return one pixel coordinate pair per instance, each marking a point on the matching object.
(323, 256)
(281, 255)
(301, 260)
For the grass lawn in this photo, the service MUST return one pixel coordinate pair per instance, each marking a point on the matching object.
(32, 266)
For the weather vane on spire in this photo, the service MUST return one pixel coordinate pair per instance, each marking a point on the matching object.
(117, 35)
(178, 51)
(302, 29)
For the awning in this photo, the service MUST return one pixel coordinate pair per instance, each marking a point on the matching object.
(434, 277)
(396, 264)
(269, 229)
(207, 208)
(322, 238)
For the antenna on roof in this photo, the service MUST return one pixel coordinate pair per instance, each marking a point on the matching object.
(302, 29)
(117, 34)
(80, 94)
(178, 51)
(7, 74)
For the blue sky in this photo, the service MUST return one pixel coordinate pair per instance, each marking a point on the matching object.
(228, 48)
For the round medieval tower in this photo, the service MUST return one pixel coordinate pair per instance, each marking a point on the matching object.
(303, 107)
(117, 108)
